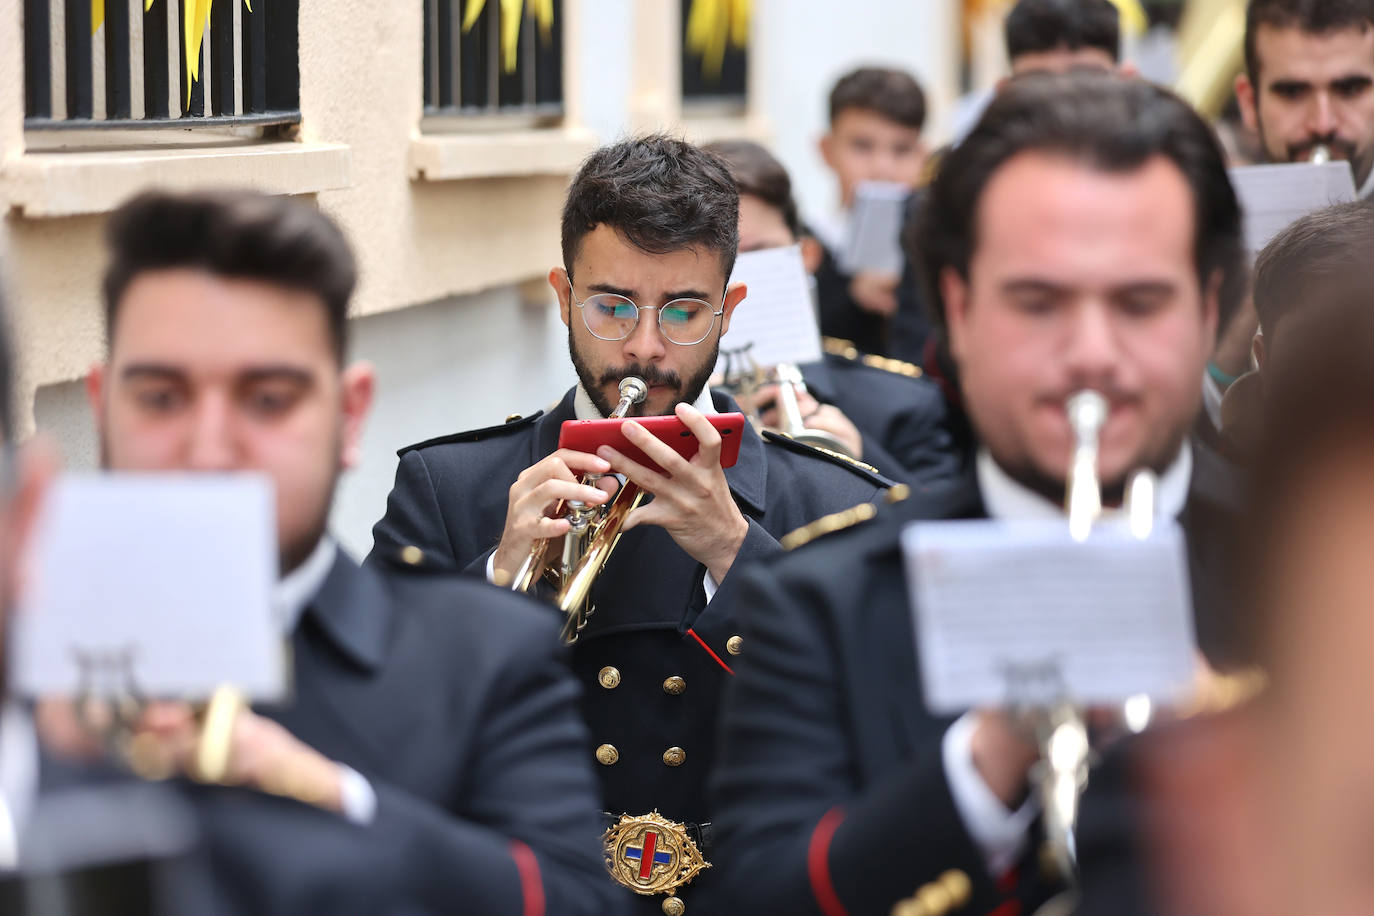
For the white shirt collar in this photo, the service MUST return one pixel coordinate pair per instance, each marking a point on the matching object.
(295, 590)
(584, 409)
(1005, 498)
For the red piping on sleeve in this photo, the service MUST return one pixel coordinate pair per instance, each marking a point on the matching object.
(818, 864)
(531, 885)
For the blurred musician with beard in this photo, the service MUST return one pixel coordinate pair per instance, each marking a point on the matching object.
(650, 229)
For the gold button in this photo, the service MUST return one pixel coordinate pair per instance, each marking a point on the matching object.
(934, 898)
(674, 686)
(674, 756)
(734, 644)
(674, 906)
(412, 555)
(609, 677)
(959, 887)
(511, 418)
(606, 754)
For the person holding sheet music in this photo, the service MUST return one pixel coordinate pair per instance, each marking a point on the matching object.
(431, 721)
(1084, 236)
(876, 118)
(648, 222)
(900, 416)
(1308, 83)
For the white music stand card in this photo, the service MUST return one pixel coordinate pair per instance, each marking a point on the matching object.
(153, 585)
(1010, 613)
(776, 315)
(1273, 196)
(875, 229)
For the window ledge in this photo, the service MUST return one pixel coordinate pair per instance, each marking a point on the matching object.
(706, 128)
(454, 157)
(97, 181)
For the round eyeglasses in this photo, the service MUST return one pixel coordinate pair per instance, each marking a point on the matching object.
(682, 321)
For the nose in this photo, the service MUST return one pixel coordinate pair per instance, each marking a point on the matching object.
(645, 344)
(1321, 117)
(212, 440)
(1092, 356)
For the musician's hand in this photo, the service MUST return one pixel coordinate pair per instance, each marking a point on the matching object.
(1002, 755)
(692, 501)
(263, 755)
(815, 415)
(875, 292)
(536, 493)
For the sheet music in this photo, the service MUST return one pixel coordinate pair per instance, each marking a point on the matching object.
(1274, 196)
(1020, 612)
(776, 315)
(159, 583)
(875, 229)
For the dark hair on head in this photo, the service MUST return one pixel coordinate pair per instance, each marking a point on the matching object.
(661, 194)
(1106, 123)
(894, 94)
(1038, 26)
(1316, 17)
(233, 234)
(1321, 256)
(759, 174)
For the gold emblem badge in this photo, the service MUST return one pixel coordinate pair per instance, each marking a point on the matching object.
(650, 854)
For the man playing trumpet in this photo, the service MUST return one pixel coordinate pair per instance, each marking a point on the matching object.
(649, 231)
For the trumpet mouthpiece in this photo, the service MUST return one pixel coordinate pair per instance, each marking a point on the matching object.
(1087, 410)
(633, 388)
(1320, 154)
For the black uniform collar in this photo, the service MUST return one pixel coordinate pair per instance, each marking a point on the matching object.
(748, 479)
(353, 608)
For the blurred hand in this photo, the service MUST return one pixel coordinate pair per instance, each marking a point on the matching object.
(815, 415)
(875, 292)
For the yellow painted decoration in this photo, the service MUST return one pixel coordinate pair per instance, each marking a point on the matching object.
(1133, 18)
(711, 26)
(97, 14)
(511, 13)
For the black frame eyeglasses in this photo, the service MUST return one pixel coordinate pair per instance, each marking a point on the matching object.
(610, 318)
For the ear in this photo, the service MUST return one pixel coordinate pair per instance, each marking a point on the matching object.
(95, 393)
(734, 295)
(954, 292)
(1257, 349)
(826, 145)
(812, 253)
(562, 287)
(1245, 100)
(359, 386)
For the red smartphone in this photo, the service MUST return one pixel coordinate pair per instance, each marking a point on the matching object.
(589, 435)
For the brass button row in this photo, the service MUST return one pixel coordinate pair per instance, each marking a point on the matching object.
(734, 645)
(609, 677)
(945, 894)
(607, 755)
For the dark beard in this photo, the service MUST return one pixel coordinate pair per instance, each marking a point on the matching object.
(592, 383)
(289, 556)
(1113, 491)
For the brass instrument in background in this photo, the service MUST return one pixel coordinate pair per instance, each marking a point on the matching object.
(589, 542)
(744, 377)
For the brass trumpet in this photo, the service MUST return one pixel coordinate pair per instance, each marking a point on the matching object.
(743, 377)
(592, 536)
(1061, 774)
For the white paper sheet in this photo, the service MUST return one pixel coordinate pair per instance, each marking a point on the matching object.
(1274, 196)
(776, 316)
(163, 579)
(1020, 612)
(875, 229)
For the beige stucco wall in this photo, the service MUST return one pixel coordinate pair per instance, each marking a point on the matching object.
(417, 240)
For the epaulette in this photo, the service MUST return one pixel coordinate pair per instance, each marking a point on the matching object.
(513, 422)
(838, 521)
(866, 471)
(845, 349)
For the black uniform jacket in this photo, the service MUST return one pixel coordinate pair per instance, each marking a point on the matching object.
(902, 419)
(454, 701)
(652, 621)
(831, 790)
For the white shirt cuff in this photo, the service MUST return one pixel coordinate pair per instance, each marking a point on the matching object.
(709, 585)
(491, 567)
(356, 796)
(999, 834)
